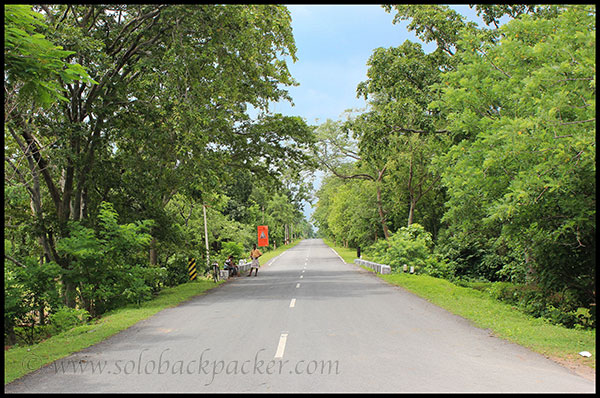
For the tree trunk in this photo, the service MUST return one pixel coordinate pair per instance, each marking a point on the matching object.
(411, 193)
(69, 294)
(11, 336)
(153, 253)
(386, 232)
(411, 211)
(42, 314)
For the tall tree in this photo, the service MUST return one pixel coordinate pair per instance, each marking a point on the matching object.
(399, 93)
(34, 70)
(526, 170)
(184, 73)
(338, 150)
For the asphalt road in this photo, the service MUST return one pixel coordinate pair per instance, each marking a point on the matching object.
(307, 323)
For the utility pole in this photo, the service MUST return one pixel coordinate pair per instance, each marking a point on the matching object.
(206, 235)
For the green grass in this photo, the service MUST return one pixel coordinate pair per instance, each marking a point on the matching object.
(504, 320)
(18, 361)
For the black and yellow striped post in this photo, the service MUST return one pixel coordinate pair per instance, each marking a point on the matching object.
(192, 268)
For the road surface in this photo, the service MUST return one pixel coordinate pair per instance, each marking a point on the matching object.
(308, 323)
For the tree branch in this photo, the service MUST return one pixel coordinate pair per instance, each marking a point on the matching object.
(578, 122)
(407, 130)
(347, 177)
(15, 261)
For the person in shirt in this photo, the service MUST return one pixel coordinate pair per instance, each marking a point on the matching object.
(254, 265)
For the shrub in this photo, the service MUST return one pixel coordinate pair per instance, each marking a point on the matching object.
(14, 306)
(177, 269)
(108, 263)
(137, 291)
(411, 246)
(66, 318)
(532, 300)
(232, 249)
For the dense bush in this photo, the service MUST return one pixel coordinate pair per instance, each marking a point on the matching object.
(233, 249)
(66, 318)
(533, 300)
(28, 290)
(109, 264)
(177, 269)
(412, 246)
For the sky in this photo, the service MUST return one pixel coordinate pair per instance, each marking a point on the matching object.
(333, 46)
(334, 43)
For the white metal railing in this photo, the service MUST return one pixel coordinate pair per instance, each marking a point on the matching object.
(379, 268)
(243, 265)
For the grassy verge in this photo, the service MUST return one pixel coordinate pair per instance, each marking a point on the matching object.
(19, 361)
(505, 321)
(346, 253)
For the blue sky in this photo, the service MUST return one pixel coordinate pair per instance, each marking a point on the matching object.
(334, 43)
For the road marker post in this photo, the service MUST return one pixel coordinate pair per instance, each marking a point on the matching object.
(192, 268)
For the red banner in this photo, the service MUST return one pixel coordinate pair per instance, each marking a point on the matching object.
(263, 235)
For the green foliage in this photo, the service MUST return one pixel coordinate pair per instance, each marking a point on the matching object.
(108, 263)
(14, 305)
(28, 289)
(165, 131)
(177, 269)
(234, 249)
(412, 246)
(526, 173)
(559, 309)
(65, 318)
(34, 66)
(488, 142)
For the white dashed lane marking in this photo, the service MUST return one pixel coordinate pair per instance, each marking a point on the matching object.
(281, 345)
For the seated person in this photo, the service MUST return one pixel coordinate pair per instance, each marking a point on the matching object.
(230, 265)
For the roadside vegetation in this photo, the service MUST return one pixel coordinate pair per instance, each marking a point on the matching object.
(127, 130)
(124, 137)
(474, 163)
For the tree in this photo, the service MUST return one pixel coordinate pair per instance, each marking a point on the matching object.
(185, 74)
(34, 66)
(434, 23)
(526, 170)
(336, 151)
(34, 71)
(403, 129)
